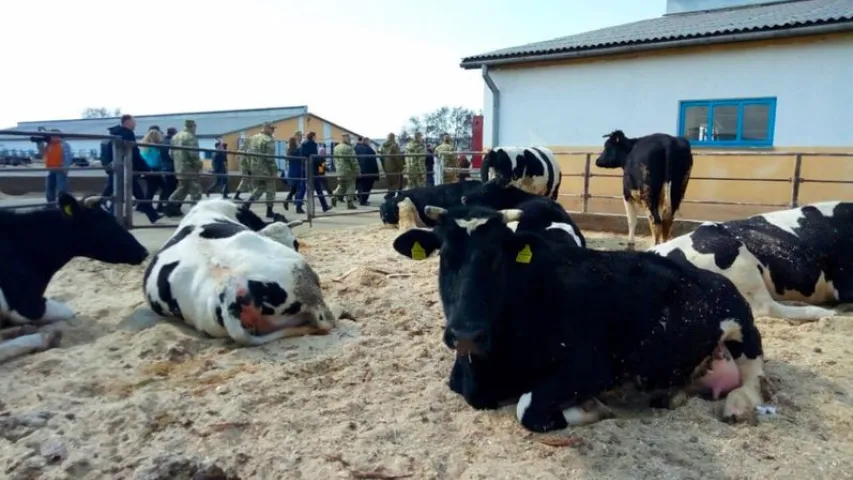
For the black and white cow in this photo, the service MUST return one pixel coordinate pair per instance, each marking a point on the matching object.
(532, 169)
(656, 170)
(406, 209)
(226, 280)
(33, 247)
(803, 254)
(540, 213)
(552, 326)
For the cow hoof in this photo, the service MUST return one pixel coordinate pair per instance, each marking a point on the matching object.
(55, 311)
(630, 246)
(52, 339)
(739, 407)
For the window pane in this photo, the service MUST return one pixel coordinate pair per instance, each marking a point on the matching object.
(756, 122)
(695, 123)
(725, 123)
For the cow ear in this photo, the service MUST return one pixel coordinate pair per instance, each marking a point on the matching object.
(417, 244)
(68, 205)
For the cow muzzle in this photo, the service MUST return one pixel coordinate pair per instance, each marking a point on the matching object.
(467, 343)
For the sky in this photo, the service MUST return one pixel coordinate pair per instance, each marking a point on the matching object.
(367, 65)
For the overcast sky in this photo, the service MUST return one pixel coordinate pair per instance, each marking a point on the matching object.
(365, 64)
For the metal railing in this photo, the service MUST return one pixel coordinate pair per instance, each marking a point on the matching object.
(313, 183)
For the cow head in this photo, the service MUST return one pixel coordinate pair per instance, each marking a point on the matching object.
(252, 221)
(282, 233)
(96, 234)
(616, 150)
(478, 256)
(389, 212)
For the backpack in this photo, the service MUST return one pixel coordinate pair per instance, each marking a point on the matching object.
(106, 153)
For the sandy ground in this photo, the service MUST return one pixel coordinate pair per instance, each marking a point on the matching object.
(127, 396)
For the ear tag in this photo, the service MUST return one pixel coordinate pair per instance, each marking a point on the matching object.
(67, 210)
(525, 255)
(418, 252)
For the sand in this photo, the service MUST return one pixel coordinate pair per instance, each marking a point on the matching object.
(128, 396)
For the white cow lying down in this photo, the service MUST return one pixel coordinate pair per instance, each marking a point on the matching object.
(802, 254)
(227, 280)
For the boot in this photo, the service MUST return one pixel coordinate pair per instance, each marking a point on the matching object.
(237, 196)
(173, 210)
(334, 201)
(300, 210)
(270, 213)
(350, 205)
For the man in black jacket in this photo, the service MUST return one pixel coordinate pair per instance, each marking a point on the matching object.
(369, 170)
(170, 183)
(124, 130)
(309, 148)
(219, 165)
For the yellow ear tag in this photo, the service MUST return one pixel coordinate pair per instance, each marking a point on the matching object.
(418, 252)
(67, 210)
(525, 255)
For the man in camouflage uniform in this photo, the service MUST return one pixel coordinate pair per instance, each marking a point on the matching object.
(416, 162)
(187, 167)
(245, 169)
(448, 159)
(393, 166)
(265, 167)
(346, 166)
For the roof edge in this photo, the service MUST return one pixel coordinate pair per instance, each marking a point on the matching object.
(208, 112)
(470, 63)
(258, 125)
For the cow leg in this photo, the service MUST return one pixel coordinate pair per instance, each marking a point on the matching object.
(26, 344)
(655, 229)
(38, 311)
(666, 230)
(744, 343)
(631, 213)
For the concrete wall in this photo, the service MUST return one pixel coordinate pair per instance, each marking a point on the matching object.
(576, 102)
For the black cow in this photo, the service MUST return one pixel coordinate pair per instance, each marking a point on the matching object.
(407, 208)
(37, 244)
(803, 254)
(558, 325)
(656, 170)
(532, 169)
(540, 213)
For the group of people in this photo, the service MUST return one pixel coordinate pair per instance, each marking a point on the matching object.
(172, 174)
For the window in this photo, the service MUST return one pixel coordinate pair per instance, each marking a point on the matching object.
(747, 122)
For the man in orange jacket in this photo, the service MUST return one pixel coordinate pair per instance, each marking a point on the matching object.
(56, 154)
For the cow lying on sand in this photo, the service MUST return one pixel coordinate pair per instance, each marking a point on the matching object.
(656, 170)
(530, 315)
(539, 212)
(406, 210)
(532, 169)
(803, 254)
(37, 244)
(227, 280)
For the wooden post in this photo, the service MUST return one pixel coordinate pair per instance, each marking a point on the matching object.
(796, 179)
(586, 167)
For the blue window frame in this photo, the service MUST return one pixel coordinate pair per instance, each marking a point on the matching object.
(741, 122)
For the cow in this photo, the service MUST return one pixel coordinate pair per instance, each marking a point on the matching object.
(539, 212)
(227, 280)
(406, 210)
(802, 254)
(532, 169)
(33, 247)
(656, 170)
(536, 320)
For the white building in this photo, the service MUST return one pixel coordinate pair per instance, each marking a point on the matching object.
(724, 73)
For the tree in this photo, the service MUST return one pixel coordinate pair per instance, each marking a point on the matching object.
(101, 112)
(455, 121)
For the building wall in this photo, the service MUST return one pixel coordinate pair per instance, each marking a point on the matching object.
(576, 102)
(568, 106)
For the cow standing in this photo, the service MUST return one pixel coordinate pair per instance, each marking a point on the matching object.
(33, 247)
(656, 170)
(227, 280)
(803, 254)
(532, 169)
(534, 318)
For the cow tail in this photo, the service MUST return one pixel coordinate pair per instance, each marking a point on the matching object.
(234, 301)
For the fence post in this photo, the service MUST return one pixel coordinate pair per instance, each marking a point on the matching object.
(586, 167)
(128, 184)
(118, 183)
(795, 180)
(309, 189)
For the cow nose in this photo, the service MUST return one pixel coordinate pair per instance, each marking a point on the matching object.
(467, 340)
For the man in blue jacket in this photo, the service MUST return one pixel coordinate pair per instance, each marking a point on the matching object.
(124, 130)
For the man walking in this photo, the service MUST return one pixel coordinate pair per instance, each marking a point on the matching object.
(368, 167)
(393, 165)
(187, 167)
(416, 162)
(264, 167)
(167, 165)
(346, 166)
(447, 159)
(244, 162)
(219, 165)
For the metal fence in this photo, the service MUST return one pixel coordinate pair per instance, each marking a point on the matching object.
(314, 186)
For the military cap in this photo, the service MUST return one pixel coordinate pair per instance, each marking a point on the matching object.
(269, 125)
(189, 123)
(297, 133)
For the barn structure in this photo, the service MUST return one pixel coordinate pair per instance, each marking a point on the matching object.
(228, 125)
(731, 75)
